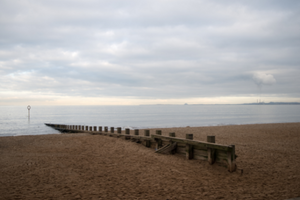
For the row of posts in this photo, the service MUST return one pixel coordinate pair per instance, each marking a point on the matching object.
(210, 139)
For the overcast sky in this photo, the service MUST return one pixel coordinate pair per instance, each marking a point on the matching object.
(118, 52)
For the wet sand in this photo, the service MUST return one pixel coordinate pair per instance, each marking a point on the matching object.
(82, 166)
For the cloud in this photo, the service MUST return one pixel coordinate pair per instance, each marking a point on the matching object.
(261, 78)
(149, 50)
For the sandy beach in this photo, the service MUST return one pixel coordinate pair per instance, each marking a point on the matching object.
(83, 166)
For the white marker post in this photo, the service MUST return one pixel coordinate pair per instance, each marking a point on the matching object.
(28, 107)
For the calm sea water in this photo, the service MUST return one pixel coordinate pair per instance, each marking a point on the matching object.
(14, 119)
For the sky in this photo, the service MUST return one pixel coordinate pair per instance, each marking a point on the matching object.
(135, 52)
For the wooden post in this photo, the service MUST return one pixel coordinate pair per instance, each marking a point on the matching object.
(86, 128)
(147, 132)
(189, 136)
(189, 148)
(158, 141)
(127, 132)
(136, 131)
(171, 142)
(211, 153)
(82, 128)
(105, 129)
(148, 142)
(211, 139)
(100, 128)
(91, 128)
(95, 128)
(112, 129)
(119, 130)
(231, 159)
(172, 134)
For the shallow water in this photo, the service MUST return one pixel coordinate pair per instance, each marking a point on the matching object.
(14, 119)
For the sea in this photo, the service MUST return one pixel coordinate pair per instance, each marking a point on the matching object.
(15, 120)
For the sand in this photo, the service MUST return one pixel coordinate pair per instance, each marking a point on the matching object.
(82, 166)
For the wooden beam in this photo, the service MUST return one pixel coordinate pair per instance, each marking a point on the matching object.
(231, 159)
(136, 131)
(146, 132)
(194, 142)
(119, 130)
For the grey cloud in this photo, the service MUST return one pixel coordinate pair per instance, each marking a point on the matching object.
(149, 49)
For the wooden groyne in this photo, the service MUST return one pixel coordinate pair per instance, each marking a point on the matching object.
(191, 149)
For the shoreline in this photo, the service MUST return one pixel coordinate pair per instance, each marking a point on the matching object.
(84, 166)
(179, 127)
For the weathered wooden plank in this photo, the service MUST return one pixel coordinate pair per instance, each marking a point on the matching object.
(189, 136)
(158, 143)
(119, 130)
(200, 147)
(211, 139)
(146, 132)
(172, 134)
(200, 152)
(193, 142)
(220, 153)
(211, 156)
(158, 132)
(167, 148)
(180, 150)
(189, 151)
(179, 144)
(153, 145)
(163, 143)
(136, 131)
(231, 159)
(146, 143)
